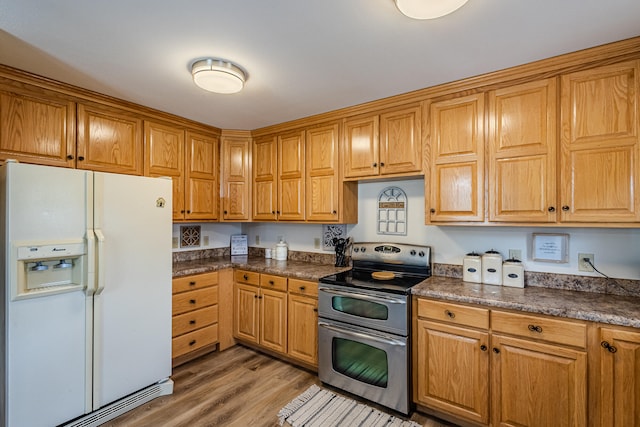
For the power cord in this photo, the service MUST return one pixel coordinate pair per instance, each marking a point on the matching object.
(588, 261)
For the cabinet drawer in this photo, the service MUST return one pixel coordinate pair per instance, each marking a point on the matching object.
(194, 340)
(278, 283)
(248, 277)
(454, 313)
(189, 283)
(193, 300)
(558, 331)
(303, 287)
(192, 320)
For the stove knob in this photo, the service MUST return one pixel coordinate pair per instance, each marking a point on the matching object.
(363, 249)
(421, 254)
(356, 249)
(413, 252)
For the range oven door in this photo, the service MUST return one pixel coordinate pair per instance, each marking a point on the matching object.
(369, 364)
(370, 309)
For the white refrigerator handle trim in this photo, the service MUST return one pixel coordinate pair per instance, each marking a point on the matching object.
(101, 261)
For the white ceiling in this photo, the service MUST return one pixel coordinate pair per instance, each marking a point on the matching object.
(303, 57)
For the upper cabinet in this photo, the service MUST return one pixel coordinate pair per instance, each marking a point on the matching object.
(455, 184)
(522, 152)
(599, 160)
(385, 144)
(109, 140)
(235, 163)
(201, 176)
(265, 187)
(37, 127)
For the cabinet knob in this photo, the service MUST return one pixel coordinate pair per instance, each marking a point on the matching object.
(192, 301)
(335, 212)
(69, 157)
(273, 212)
(182, 211)
(535, 328)
(315, 310)
(609, 347)
(192, 322)
(432, 210)
(565, 208)
(551, 209)
(278, 212)
(245, 277)
(302, 288)
(192, 342)
(381, 164)
(483, 347)
(81, 158)
(192, 283)
(496, 350)
(271, 282)
(225, 212)
(451, 314)
(188, 211)
(375, 165)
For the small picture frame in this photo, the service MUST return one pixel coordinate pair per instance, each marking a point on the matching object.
(550, 247)
(239, 244)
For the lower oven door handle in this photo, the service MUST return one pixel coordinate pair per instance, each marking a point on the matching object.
(360, 295)
(369, 335)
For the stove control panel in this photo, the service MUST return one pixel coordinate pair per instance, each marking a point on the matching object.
(396, 253)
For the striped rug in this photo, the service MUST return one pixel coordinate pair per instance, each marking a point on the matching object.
(318, 407)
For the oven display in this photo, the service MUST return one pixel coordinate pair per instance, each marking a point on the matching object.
(360, 308)
(387, 249)
(360, 361)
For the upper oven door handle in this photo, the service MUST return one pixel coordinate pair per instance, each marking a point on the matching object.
(360, 295)
(370, 335)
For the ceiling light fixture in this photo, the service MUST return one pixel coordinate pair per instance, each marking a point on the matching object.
(428, 9)
(218, 75)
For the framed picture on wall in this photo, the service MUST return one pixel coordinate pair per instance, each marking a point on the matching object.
(331, 231)
(550, 247)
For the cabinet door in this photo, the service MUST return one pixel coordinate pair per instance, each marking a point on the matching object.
(37, 129)
(273, 320)
(360, 147)
(522, 153)
(600, 149)
(303, 328)
(537, 384)
(322, 173)
(264, 166)
(246, 312)
(202, 192)
(236, 178)
(620, 378)
(400, 142)
(453, 370)
(457, 160)
(164, 156)
(291, 176)
(109, 140)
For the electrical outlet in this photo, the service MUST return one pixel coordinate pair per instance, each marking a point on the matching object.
(515, 254)
(316, 242)
(582, 264)
(174, 242)
(205, 240)
(257, 239)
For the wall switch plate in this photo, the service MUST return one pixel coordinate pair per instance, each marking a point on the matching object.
(174, 242)
(515, 254)
(582, 264)
(316, 242)
(257, 239)
(205, 240)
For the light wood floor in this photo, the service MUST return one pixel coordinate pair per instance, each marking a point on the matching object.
(237, 387)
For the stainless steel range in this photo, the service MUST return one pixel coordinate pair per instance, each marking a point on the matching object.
(364, 323)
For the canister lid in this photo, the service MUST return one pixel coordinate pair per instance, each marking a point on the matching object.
(474, 253)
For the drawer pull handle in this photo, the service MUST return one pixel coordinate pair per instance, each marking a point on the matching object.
(245, 277)
(609, 347)
(535, 328)
(192, 301)
(315, 310)
(302, 288)
(451, 314)
(192, 283)
(483, 347)
(496, 350)
(271, 282)
(192, 342)
(192, 322)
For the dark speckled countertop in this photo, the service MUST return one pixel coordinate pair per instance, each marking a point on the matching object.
(296, 269)
(596, 307)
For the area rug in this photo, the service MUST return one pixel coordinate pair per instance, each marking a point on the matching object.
(318, 407)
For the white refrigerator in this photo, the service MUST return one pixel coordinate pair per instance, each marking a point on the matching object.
(86, 294)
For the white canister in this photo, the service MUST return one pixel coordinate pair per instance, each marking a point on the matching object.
(267, 253)
(281, 251)
(513, 273)
(492, 268)
(472, 268)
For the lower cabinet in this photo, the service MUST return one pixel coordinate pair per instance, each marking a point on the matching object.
(303, 321)
(195, 316)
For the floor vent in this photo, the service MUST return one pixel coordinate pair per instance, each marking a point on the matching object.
(123, 405)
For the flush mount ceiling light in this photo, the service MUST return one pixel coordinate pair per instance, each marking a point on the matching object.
(217, 75)
(428, 9)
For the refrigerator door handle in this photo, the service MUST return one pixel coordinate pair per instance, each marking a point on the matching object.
(101, 261)
(90, 286)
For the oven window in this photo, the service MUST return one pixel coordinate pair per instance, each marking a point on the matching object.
(360, 361)
(360, 308)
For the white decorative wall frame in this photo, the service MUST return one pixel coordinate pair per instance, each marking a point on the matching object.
(392, 211)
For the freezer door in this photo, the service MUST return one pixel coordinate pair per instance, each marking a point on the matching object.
(132, 304)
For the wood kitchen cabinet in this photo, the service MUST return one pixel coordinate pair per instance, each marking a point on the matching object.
(454, 191)
(235, 163)
(600, 153)
(37, 126)
(452, 359)
(522, 153)
(328, 198)
(618, 371)
(278, 177)
(385, 144)
(302, 308)
(195, 316)
(260, 315)
(109, 139)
